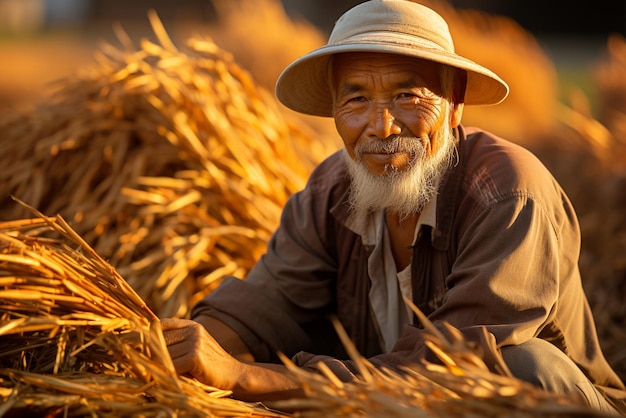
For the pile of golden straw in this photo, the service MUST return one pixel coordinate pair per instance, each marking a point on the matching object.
(76, 340)
(172, 165)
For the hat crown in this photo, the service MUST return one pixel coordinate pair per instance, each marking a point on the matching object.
(385, 21)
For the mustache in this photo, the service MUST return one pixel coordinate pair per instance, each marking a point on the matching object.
(391, 145)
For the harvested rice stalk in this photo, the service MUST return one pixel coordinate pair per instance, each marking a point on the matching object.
(462, 386)
(172, 164)
(76, 340)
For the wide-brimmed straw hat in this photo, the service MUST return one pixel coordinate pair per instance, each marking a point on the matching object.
(388, 26)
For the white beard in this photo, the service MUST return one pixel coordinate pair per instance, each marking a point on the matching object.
(402, 192)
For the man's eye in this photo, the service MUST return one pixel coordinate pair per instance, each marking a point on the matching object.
(356, 99)
(406, 95)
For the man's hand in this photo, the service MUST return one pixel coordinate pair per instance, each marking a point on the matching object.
(195, 352)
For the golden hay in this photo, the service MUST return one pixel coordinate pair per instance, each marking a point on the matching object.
(173, 165)
(76, 340)
(461, 386)
(277, 40)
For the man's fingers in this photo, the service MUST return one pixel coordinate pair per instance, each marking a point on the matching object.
(195, 352)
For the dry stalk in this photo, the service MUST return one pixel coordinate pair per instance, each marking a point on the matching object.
(460, 386)
(172, 164)
(76, 338)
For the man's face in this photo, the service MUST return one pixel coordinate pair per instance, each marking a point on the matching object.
(395, 125)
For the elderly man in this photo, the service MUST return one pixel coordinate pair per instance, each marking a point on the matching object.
(470, 227)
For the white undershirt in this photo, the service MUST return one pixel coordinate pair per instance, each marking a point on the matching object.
(387, 284)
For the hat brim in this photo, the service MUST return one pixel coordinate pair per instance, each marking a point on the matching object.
(304, 85)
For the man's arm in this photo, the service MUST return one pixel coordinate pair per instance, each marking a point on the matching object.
(195, 352)
(226, 337)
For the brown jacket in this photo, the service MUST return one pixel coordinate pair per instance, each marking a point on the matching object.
(503, 257)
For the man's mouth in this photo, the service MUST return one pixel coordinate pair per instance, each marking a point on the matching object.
(383, 156)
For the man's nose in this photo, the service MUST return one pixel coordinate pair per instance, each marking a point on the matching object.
(383, 123)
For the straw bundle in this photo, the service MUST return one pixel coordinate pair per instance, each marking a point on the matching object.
(461, 386)
(172, 165)
(76, 340)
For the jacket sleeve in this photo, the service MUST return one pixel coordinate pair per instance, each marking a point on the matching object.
(508, 271)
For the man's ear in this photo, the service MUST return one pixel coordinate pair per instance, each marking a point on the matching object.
(456, 114)
(458, 98)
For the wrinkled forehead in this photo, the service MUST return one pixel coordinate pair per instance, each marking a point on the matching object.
(353, 63)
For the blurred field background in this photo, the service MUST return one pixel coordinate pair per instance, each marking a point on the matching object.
(114, 132)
